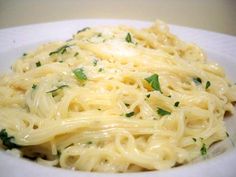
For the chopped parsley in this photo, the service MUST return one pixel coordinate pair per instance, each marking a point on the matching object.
(130, 114)
(227, 134)
(24, 54)
(95, 62)
(197, 80)
(79, 73)
(153, 80)
(126, 104)
(148, 95)
(61, 61)
(54, 91)
(89, 142)
(82, 30)
(61, 50)
(208, 84)
(163, 112)
(176, 104)
(194, 139)
(77, 53)
(6, 140)
(58, 153)
(128, 38)
(34, 86)
(100, 70)
(38, 64)
(203, 149)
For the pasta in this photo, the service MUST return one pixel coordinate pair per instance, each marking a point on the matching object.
(115, 99)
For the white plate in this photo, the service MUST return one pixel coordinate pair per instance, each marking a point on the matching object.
(219, 47)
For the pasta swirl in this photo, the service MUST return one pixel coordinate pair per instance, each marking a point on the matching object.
(115, 99)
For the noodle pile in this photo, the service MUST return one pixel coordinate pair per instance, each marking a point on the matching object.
(115, 99)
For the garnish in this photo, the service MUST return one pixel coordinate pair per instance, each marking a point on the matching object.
(208, 84)
(54, 91)
(126, 104)
(227, 134)
(197, 80)
(61, 50)
(34, 86)
(95, 62)
(6, 140)
(128, 38)
(130, 114)
(89, 142)
(194, 139)
(79, 73)
(58, 153)
(100, 70)
(82, 30)
(38, 64)
(176, 104)
(203, 149)
(163, 112)
(24, 54)
(148, 95)
(153, 80)
(77, 53)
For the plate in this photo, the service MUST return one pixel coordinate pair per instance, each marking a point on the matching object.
(219, 47)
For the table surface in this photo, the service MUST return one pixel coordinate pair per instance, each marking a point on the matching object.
(213, 15)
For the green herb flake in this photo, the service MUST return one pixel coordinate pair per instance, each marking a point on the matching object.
(153, 80)
(130, 114)
(24, 54)
(34, 86)
(61, 50)
(6, 140)
(227, 134)
(100, 70)
(95, 62)
(197, 80)
(148, 95)
(163, 112)
(127, 105)
(58, 153)
(194, 139)
(203, 149)
(176, 104)
(77, 53)
(79, 73)
(128, 38)
(89, 142)
(38, 64)
(82, 30)
(55, 91)
(61, 61)
(208, 84)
